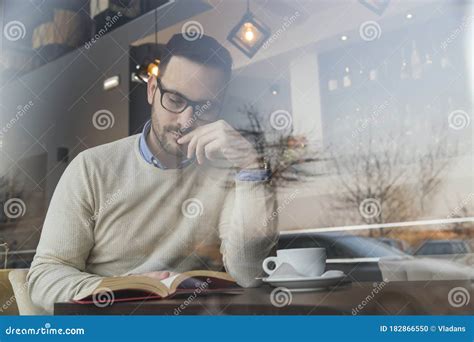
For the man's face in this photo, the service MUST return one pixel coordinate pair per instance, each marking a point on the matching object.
(195, 82)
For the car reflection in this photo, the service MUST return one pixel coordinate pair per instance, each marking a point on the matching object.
(397, 243)
(453, 250)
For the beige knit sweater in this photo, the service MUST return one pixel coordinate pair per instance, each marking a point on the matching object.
(112, 214)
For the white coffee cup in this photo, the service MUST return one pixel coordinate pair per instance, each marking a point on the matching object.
(306, 261)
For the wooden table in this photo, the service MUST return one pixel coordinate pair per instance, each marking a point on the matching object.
(393, 298)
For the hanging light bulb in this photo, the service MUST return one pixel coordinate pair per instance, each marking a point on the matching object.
(249, 33)
(146, 70)
(153, 68)
(150, 64)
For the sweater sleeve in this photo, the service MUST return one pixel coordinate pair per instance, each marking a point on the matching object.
(247, 235)
(57, 272)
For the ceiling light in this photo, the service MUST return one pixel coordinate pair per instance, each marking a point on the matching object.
(275, 89)
(146, 70)
(153, 68)
(249, 34)
(149, 61)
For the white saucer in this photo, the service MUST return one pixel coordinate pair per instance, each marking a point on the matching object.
(303, 284)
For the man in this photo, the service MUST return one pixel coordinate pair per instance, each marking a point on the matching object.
(157, 202)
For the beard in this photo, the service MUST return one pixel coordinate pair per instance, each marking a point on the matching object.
(167, 136)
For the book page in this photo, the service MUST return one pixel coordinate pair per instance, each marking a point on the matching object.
(168, 281)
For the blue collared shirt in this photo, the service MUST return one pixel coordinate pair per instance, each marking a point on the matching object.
(243, 175)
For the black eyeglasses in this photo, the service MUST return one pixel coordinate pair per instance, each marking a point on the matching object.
(177, 103)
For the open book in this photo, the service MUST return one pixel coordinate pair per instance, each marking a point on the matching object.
(130, 288)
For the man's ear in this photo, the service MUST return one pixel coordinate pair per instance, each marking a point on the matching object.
(151, 88)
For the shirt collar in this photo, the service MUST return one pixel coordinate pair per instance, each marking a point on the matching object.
(148, 155)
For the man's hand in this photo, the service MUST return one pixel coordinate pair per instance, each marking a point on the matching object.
(220, 139)
(160, 275)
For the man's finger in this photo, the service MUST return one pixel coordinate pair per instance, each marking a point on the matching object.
(194, 141)
(202, 143)
(191, 147)
(197, 132)
(211, 149)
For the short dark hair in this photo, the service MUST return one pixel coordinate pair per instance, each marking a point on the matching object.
(204, 50)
